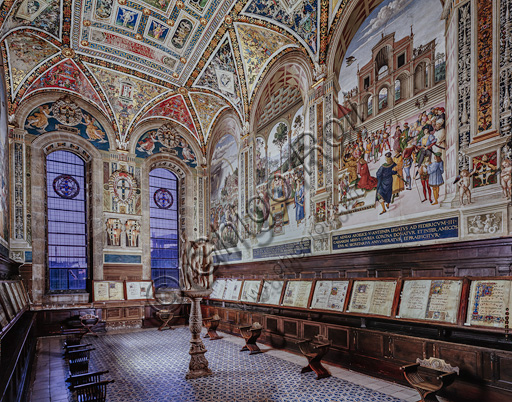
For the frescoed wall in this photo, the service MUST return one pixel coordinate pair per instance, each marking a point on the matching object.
(4, 171)
(419, 151)
(395, 171)
(224, 193)
(65, 115)
(279, 205)
(392, 92)
(166, 139)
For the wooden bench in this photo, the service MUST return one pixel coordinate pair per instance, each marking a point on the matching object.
(79, 361)
(314, 350)
(429, 376)
(86, 378)
(74, 348)
(211, 325)
(251, 335)
(92, 392)
(73, 336)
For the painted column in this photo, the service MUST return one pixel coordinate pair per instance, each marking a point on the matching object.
(21, 233)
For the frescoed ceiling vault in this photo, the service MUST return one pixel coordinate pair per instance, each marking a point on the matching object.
(184, 60)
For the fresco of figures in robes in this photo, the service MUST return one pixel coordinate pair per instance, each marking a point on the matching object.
(224, 194)
(392, 162)
(281, 197)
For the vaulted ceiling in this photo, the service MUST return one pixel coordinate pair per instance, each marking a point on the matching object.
(185, 60)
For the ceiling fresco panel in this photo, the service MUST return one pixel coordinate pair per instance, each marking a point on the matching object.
(25, 51)
(299, 17)
(127, 95)
(257, 47)
(67, 76)
(220, 75)
(46, 16)
(162, 38)
(131, 58)
(174, 108)
(207, 107)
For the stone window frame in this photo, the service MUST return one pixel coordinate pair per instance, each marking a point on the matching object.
(41, 147)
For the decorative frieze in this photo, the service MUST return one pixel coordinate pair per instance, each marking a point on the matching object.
(464, 73)
(320, 145)
(485, 223)
(19, 215)
(311, 152)
(328, 140)
(505, 67)
(484, 87)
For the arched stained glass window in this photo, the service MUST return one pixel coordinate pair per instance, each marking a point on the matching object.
(66, 221)
(164, 234)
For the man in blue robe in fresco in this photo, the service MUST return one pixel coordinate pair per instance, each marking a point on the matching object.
(299, 201)
(385, 182)
(435, 176)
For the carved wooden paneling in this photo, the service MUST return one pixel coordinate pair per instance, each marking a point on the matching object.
(407, 349)
(232, 316)
(257, 318)
(309, 331)
(271, 324)
(245, 318)
(113, 314)
(503, 369)
(370, 344)
(339, 337)
(133, 313)
(472, 258)
(466, 359)
(290, 328)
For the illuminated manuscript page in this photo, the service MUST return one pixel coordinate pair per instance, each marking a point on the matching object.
(329, 295)
(115, 291)
(488, 300)
(250, 291)
(101, 291)
(361, 297)
(382, 298)
(218, 288)
(414, 299)
(232, 289)
(297, 293)
(271, 293)
(444, 301)
(133, 291)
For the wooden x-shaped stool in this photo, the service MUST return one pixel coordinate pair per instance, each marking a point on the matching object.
(165, 316)
(315, 350)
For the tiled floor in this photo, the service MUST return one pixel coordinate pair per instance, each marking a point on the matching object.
(150, 366)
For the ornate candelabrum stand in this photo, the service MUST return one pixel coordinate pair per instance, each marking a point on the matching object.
(198, 366)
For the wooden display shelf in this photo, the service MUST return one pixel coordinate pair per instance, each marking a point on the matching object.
(461, 312)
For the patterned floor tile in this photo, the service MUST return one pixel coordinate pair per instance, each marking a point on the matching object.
(149, 365)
